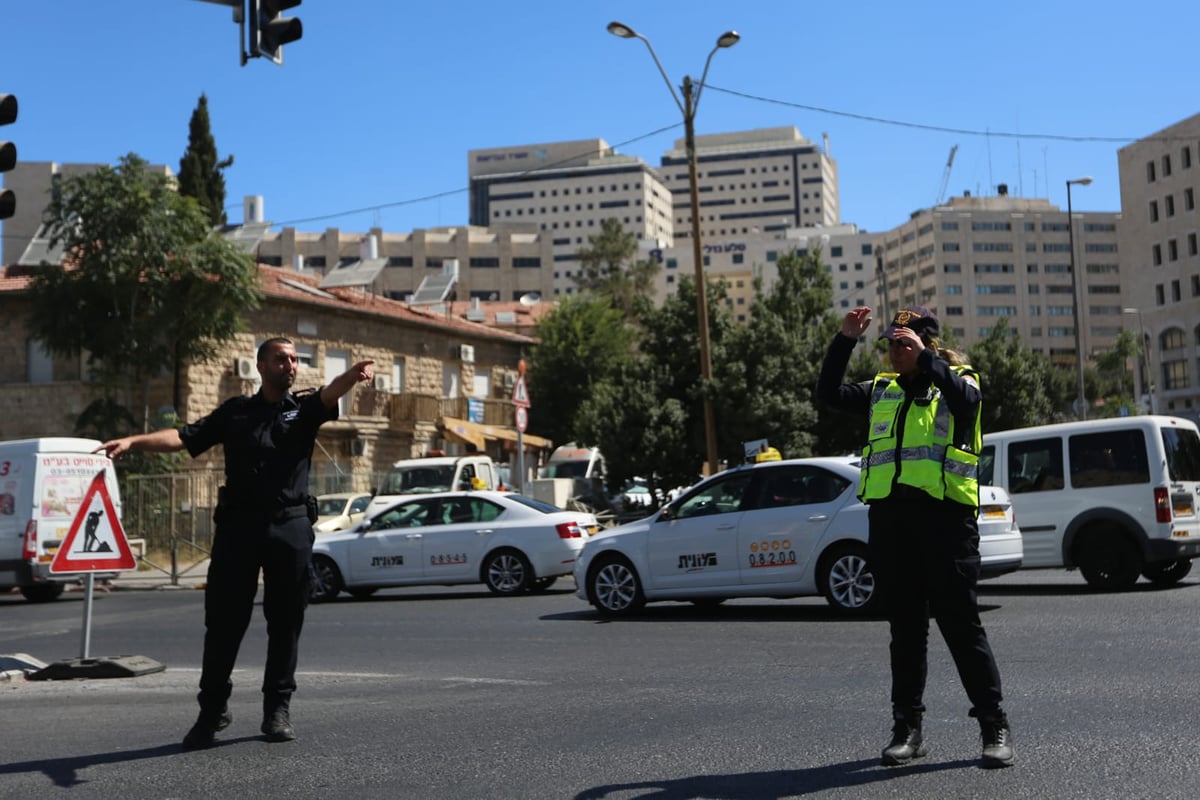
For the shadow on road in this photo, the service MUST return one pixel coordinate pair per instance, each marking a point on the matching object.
(771, 785)
(64, 770)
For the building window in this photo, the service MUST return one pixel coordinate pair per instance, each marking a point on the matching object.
(1191, 244)
(1172, 250)
(1156, 255)
(1185, 156)
(1176, 296)
(1170, 205)
(1149, 172)
(1175, 375)
(1189, 199)
(1166, 165)
(1159, 297)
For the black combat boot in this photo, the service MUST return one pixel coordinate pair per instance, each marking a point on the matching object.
(202, 733)
(997, 741)
(906, 743)
(277, 725)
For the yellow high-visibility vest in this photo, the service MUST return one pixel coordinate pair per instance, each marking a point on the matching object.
(928, 459)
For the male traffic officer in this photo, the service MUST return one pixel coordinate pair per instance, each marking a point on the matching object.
(262, 523)
(919, 478)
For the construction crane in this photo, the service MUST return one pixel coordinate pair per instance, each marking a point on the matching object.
(946, 176)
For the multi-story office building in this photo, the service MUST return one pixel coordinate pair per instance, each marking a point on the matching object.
(976, 260)
(1160, 181)
(846, 252)
(759, 181)
(566, 190)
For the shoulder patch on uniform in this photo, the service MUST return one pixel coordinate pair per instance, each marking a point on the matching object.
(970, 379)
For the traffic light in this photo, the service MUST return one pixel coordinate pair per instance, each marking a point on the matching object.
(8, 154)
(270, 30)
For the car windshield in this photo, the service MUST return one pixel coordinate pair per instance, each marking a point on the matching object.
(565, 469)
(1182, 446)
(420, 479)
(330, 506)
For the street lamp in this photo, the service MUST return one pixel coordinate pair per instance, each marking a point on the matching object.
(687, 106)
(1146, 374)
(1081, 400)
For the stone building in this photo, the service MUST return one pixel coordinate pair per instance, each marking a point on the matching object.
(434, 369)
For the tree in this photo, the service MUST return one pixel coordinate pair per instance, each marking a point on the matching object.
(640, 429)
(584, 341)
(769, 372)
(147, 285)
(1018, 384)
(609, 268)
(200, 171)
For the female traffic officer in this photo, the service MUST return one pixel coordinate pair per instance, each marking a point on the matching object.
(919, 479)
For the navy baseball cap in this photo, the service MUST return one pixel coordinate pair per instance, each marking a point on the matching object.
(918, 319)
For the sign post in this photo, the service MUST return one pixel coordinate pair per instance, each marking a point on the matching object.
(102, 548)
(520, 401)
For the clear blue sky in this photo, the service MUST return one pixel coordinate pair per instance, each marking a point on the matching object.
(378, 104)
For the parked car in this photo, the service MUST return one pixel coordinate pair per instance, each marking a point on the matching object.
(509, 542)
(773, 529)
(339, 511)
(1115, 498)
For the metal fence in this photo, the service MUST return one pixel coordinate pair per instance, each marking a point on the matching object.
(172, 516)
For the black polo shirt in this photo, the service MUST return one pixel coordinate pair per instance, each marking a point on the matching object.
(268, 446)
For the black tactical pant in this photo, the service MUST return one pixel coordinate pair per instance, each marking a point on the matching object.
(925, 556)
(244, 544)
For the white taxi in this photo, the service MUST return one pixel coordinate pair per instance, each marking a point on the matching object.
(511, 543)
(774, 529)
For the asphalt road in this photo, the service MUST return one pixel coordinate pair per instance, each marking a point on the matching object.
(451, 693)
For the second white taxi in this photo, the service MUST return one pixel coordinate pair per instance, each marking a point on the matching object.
(774, 529)
(513, 544)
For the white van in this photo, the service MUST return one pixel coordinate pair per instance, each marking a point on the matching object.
(1115, 498)
(42, 483)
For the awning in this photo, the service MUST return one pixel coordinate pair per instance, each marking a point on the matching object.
(475, 434)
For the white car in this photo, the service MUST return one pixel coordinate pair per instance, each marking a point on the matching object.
(337, 512)
(511, 543)
(774, 529)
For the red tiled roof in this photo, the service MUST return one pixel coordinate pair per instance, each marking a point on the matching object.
(289, 285)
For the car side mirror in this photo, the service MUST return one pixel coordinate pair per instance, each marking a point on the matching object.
(668, 512)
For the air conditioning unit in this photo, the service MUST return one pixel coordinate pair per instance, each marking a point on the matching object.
(244, 368)
(510, 380)
(382, 383)
(466, 353)
(358, 447)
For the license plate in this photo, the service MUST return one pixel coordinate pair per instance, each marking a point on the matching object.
(991, 512)
(1183, 506)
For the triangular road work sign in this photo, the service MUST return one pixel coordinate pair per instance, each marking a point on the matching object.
(103, 546)
(520, 395)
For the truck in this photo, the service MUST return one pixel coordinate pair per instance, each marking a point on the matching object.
(434, 473)
(42, 484)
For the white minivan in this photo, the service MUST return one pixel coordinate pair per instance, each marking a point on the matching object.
(42, 484)
(1115, 498)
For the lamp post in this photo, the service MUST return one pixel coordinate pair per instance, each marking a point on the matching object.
(687, 106)
(1146, 373)
(1081, 400)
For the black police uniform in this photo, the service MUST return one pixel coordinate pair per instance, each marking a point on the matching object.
(925, 552)
(261, 523)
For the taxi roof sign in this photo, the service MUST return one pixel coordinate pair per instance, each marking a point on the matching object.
(104, 547)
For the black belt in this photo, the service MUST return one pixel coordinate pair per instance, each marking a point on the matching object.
(290, 512)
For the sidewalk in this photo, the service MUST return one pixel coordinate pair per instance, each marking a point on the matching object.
(193, 577)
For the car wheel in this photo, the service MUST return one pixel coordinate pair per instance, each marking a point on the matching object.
(507, 572)
(326, 580)
(42, 592)
(846, 580)
(1110, 561)
(1167, 573)
(542, 584)
(614, 588)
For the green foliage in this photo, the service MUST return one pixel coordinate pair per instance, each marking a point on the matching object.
(1019, 385)
(200, 171)
(640, 428)
(147, 284)
(584, 341)
(609, 268)
(769, 373)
